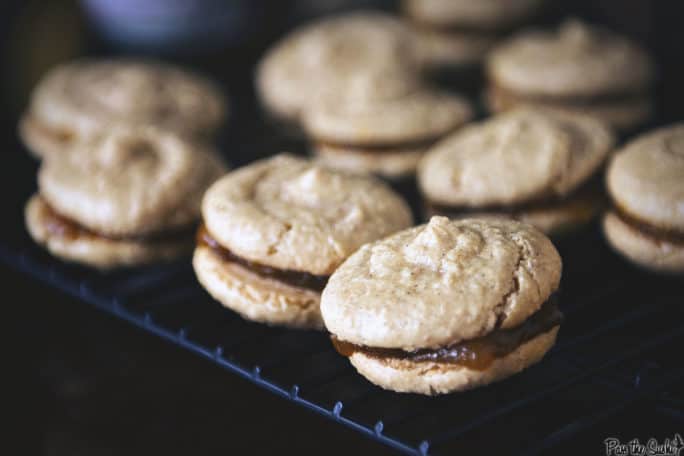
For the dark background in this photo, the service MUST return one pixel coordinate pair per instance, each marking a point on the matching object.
(81, 382)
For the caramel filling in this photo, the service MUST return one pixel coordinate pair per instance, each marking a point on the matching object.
(583, 202)
(379, 148)
(671, 236)
(60, 226)
(295, 278)
(509, 98)
(477, 354)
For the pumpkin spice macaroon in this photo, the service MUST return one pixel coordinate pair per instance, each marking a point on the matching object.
(446, 306)
(532, 165)
(276, 229)
(645, 180)
(386, 137)
(577, 68)
(355, 55)
(128, 197)
(78, 100)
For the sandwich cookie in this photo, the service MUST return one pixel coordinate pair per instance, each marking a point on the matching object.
(646, 183)
(384, 137)
(82, 99)
(447, 306)
(275, 230)
(577, 68)
(357, 55)
(531, 165)
(459, 33)
(127, 198)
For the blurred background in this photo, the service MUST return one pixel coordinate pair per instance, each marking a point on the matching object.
(83, 383)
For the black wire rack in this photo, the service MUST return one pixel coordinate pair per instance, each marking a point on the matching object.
(616, 370)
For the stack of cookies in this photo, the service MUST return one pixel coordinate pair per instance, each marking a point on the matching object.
(128, 176)
(352, 83)
(457, 34)
(577, 68)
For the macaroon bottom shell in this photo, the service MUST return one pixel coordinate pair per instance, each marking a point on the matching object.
(641, 248)
(100, 252)
(433, 378)
(254, 297)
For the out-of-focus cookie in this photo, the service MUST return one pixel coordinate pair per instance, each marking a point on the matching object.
(128, 197)
(359, 55)
(459, 33)
(532, 165)
(275, 230)
(577, 68)
(386, 137)
(646, 183)
(79, 100)
(446, 306)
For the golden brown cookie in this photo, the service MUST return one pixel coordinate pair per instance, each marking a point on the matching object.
(78, 100)
(128, 197)
(276, 229)
(645, 180)
(445, 306)
(533, 165)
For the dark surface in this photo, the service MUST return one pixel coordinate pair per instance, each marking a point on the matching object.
(92, 384)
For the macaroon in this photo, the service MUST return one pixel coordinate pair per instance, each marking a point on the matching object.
(536, 166)
(363, 55)
(577, 68)
(447, 306)
(126, 198)
(79, 100)
(276, 229)
(386, 137)
(645, 180)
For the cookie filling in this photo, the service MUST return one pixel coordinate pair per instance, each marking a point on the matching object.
(295, 278)
(378, 148)
(506, 99)
(671, 236)
(583, 203)
(476, 354)
(60, 226)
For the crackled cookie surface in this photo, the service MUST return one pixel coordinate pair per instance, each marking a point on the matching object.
(289, 213)
(440, 283)
(514, 158)
(130, 182)
(530, 165)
